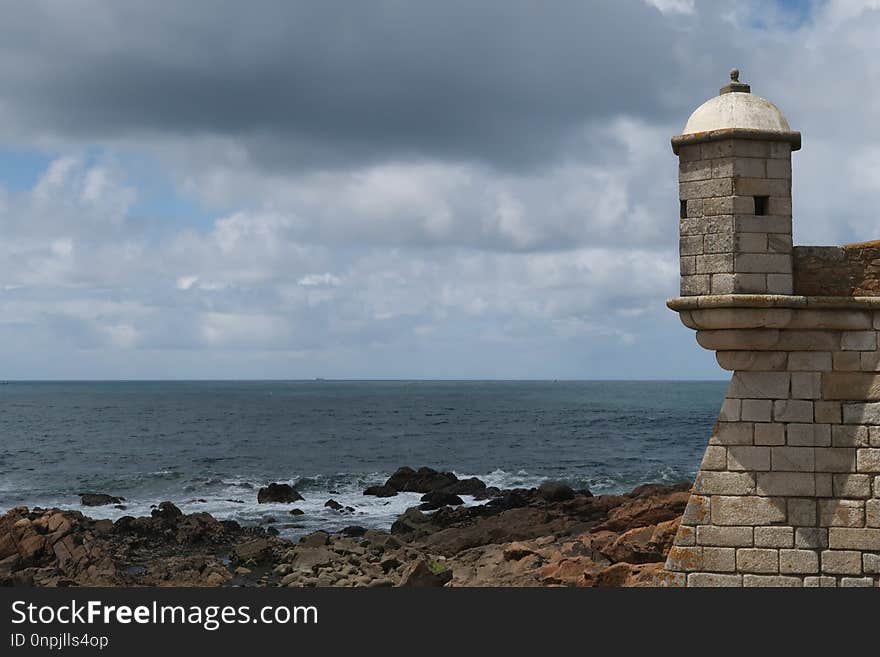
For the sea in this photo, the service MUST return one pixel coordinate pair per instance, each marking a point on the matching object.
(210, 445)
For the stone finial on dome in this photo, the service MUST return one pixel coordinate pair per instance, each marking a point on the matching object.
(735, 86)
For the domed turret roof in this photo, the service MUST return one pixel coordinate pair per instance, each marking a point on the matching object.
(736, 112)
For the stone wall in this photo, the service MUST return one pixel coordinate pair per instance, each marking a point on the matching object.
(726, 245)
(788, 492)
(852, 270)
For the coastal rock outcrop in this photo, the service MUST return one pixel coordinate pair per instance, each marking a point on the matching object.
(278, 493)
(99, 499)
(517, 539)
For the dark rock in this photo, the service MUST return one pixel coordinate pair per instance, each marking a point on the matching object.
(438, 498)
(488, 493)
(423, 480)
(278, 493)
(315, 539)
(424, 573)
(272, 531)
(381, 491)
(470, 486)
(555, 491)
(296, 512)
(354, 530)
(333, 504)
(166, 511)
(255, 549)
(269, 520)
(99, 499)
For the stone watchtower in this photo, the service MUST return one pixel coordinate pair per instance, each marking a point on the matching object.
(788, 492)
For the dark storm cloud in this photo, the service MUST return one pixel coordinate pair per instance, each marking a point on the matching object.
(497, 81)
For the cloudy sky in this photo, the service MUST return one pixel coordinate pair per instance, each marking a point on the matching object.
(390, 188)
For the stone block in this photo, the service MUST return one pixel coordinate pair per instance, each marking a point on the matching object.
(858, 341)
(811, 537)
(715, 263)
(766, 361)
(848, 538)
(841, 513)
(808, 435)
(690, 245)
(785, 484)
(757, 410)
(802, 513)
(695, 285)
(791, 459)
(774, 537)
(724, 483)
(874, 436)
(687, 265)
(841, 562)
(871, 564)
(757, 560)
(760, 385)
(751, 243)
(809, 361)
(715, 458)
(869, 361)
(706, 188)
(760, 186)
(820, 582)
(806, 385)
(779, 206)
(720, 559)
(849, 435)
(872, 513)
(780, 284)
(852, 486)
(723, 283)
(844, 361)
(851, 386)
(711, 535)
(748, 457)
(775, 581)
(861, 413)
(731, 410)
(835, 459)
(699, 580)
(762, 224)
(856, 582)
(771, 434)
(792, 410)
(827, 411)
(732, 433)
(684, 559)
(738, 340)
(760, 263)
(746, 510)
(779, 243)
(697, 511)
(798, 562)
(778, 168)
(867, 460)
(691, 170)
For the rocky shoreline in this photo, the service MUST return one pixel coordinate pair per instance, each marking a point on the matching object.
(546, 536)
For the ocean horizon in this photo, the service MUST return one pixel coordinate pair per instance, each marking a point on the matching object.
(209, 445)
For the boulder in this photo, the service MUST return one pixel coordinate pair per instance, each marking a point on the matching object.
(469, 486)
(423, 480)
(555, 491)
(438, 498)
(278, 493)
(166, 511)
(99, 499)
(333, 504)
(424, 573)
(381, 491)
(354, 530)
(315, 539)
(255, 549)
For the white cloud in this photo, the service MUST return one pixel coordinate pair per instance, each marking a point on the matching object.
(673, 6)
